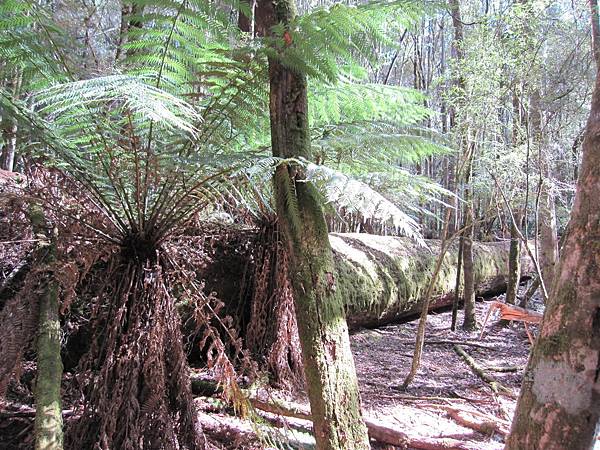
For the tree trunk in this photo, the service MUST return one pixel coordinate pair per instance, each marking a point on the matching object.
(548, 244)
(514, 266)
(7, 158)
(328, 364)
(470, 320)
(48, 415)
(559, 406)
(457, 288)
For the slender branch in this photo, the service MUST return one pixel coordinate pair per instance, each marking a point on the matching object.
(522, 238)
(595, 32)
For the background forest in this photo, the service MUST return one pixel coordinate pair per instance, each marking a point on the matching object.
(199, 199)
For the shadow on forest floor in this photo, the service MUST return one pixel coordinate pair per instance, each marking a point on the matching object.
(445, 390)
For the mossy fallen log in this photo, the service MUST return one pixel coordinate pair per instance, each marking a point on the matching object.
(383, 278)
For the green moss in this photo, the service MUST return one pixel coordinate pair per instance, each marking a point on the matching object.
(384, 277)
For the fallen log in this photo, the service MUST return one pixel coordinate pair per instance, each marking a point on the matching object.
(378, 431)
(383, 278)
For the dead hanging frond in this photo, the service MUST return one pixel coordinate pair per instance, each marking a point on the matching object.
(209, 327)
(19, 319)
(272, 332)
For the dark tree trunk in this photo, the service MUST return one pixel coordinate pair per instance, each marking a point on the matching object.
(470, 320)
(559, 405)
(514, 266)
(328, 364)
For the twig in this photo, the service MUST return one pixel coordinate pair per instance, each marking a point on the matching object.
(452, 342)
(504, 368)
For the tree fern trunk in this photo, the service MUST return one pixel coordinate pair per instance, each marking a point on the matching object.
(328, 364)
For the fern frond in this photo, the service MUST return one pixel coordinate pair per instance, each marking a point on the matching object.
(355, 196)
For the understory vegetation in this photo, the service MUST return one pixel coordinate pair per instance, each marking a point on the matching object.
(197, 199)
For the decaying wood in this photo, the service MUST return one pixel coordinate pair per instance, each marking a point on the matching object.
(377, 430)
(479, 371)
(385, 278)
(484, 423)
(512, 312)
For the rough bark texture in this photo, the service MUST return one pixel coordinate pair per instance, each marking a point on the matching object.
(559, 406)
(514, 266)
(7, 157)
(384, 278)
(470, 320)
(328, 365)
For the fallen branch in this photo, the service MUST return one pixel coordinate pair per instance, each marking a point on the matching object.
(478, 370)
(484, 423)
(504, 368)
(451, 342)
(377, 430)
(29, 412)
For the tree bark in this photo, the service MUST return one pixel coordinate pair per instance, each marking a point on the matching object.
(548, 244)
(559, 405)
(328, 364)
(7, 158)
(470, 320)
(514, 266)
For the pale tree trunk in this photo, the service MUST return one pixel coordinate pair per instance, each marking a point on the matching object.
(48, 410)
(328, 364)
(7, 158)
(559, 405)
(548, 239)
(9, 129)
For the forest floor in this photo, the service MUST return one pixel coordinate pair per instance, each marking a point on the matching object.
(445, 395)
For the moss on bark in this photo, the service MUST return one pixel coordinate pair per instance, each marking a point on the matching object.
(383, 278)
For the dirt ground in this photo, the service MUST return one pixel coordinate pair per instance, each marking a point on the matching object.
(444, 385)
(383, 357)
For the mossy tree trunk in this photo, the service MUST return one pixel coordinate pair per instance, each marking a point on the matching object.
(514, 266)
(470, 319)
(559, 405)
(48, 409)
(328, 364)
(48, 416)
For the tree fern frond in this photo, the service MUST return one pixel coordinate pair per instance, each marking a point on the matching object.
(353, 195)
